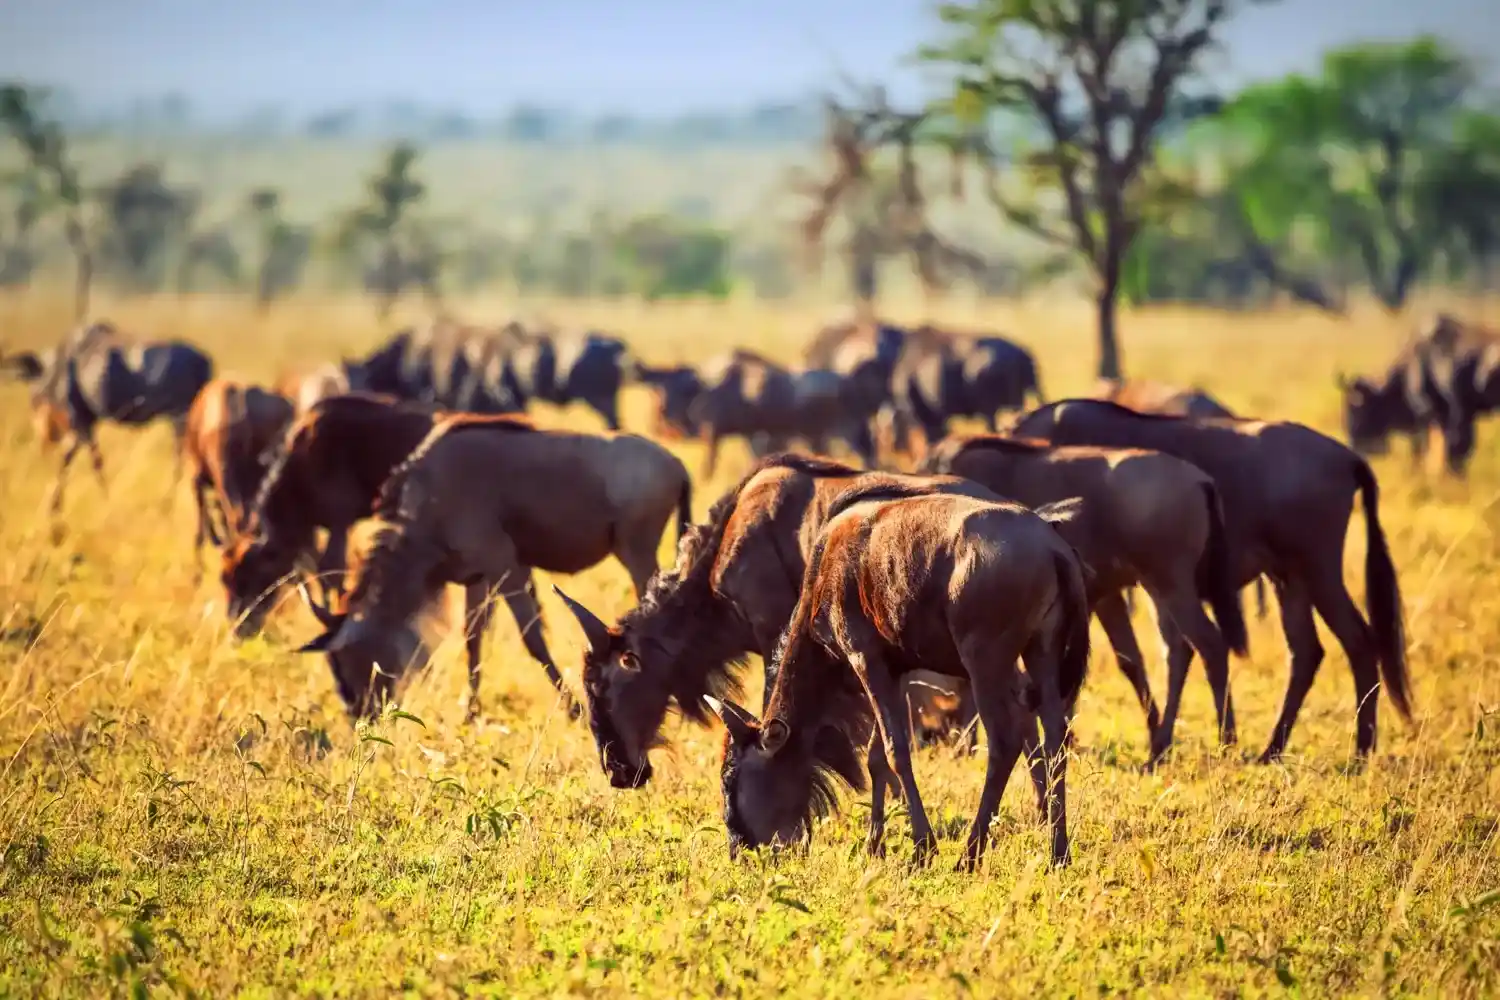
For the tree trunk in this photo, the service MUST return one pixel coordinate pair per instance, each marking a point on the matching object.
(83, 274)
(1109, 342)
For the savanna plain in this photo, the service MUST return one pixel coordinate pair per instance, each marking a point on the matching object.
(182, 815)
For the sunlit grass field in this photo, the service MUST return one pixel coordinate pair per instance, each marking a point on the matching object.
(178, 814)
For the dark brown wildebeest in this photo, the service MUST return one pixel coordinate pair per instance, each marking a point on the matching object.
(328, 473)
(749, 395)
(730, 593)
(231, 430)
(941, 374)
(1288, 492)
(1146, 519)
(406, 650)
(958, 585)
(1145, 396)
(1444, 378)
(484, 503)
(675, 388)
(99, 375)
(863, 353)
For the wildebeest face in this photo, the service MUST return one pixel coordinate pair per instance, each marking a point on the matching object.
(365, 658)
(1368, 416)
(627, 701)
(254, 568)
(767, 780)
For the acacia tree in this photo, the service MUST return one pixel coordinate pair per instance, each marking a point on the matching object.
(1092, 87)
(386, 238)
(1382, 163)
(872, 189)
(46, 151)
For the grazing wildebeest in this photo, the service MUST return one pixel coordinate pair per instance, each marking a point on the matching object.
(1287, 492)
(896, 582)
(675, 388)
(98, 375)
(496, 370)
(941, 375)
(306, 388)
(864, 354)
(1444, 378)
(1145, 396)
(328, 474)
(231, 430)
(730, 593)
(485, 503)
(1146, 519)
(405, 649)
(749, 395)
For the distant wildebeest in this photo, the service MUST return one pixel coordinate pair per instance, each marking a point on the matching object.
(496, 370)
(1288, 493)
(730, 593)
(941, 708)
(327, 474)
(484, 503)
(306, 388)
(674, 388)
(1444, 378)
(941, 375)
(99, 375)
(957, 585)
(1145, 396)
(405, 651)
(1146, 519)
(746, 394)
(231, 430)
(863, 352)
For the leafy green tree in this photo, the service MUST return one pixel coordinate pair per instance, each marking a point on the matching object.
(386, 238)
(46, 151)
(283, 248)
(1380, 162)
(1089, 88)
(145, 225)
(665, 258)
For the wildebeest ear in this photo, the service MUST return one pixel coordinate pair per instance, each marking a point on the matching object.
(774, 734)
(1060, 511)
(742, 726)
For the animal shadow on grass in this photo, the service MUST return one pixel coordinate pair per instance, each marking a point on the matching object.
(1259, 836)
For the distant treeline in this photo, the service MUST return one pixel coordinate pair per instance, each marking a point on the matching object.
(778, 121)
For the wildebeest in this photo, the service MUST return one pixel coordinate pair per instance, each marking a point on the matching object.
(896, 582)
(485, 503)
(406, 649)
(1444, 378)
(730, 593)
(940, 707)
(1145, 396)
(327, 475)
(749, 395)
(306, 388)
(1146, 519)
(99, 375)
(941, 375)
(496, 370)
(675, 388)
(231, 430)
(1287, 492)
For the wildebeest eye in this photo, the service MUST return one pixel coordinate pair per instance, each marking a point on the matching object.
(629, 661)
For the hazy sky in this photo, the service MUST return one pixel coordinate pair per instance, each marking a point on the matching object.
(592, 55)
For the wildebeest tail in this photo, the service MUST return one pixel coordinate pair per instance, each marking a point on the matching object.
(1074, 662)
(1383, 596)
(1216, 579)
(684, 508)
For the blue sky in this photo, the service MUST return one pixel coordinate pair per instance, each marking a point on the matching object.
(642, 56)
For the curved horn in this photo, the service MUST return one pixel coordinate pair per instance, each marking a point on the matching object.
(742, 726)
(325, 617)
(594, 630)
(352, 631)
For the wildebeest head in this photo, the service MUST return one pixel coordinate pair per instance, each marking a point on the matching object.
(676, 388)
(26, 366)
(365, 662)
(771, 783)
(1372, 413)
(626, 704)
(255, 566)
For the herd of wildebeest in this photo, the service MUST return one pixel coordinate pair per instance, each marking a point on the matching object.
(372, 484)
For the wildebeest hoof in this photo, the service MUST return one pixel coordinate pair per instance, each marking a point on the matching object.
(875, 845)
(471, 713)
(925, 850)
(1271, 755)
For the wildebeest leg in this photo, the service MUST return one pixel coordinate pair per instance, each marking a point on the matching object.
(528, 616)
(990, 423)
(206, 530)
(96, 459)
(1179, 657)
(880, 778)
(996, 686)
(1181, 606)
(890, 713)
(609, 409)
(711, 455)
(1307, 655)
(1114, 618)
(635, 547)
(478, 609)
(55, 500)
(1458, 441)
(1332, 601)
(1041, 666)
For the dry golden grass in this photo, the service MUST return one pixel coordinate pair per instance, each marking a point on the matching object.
(177, 813)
